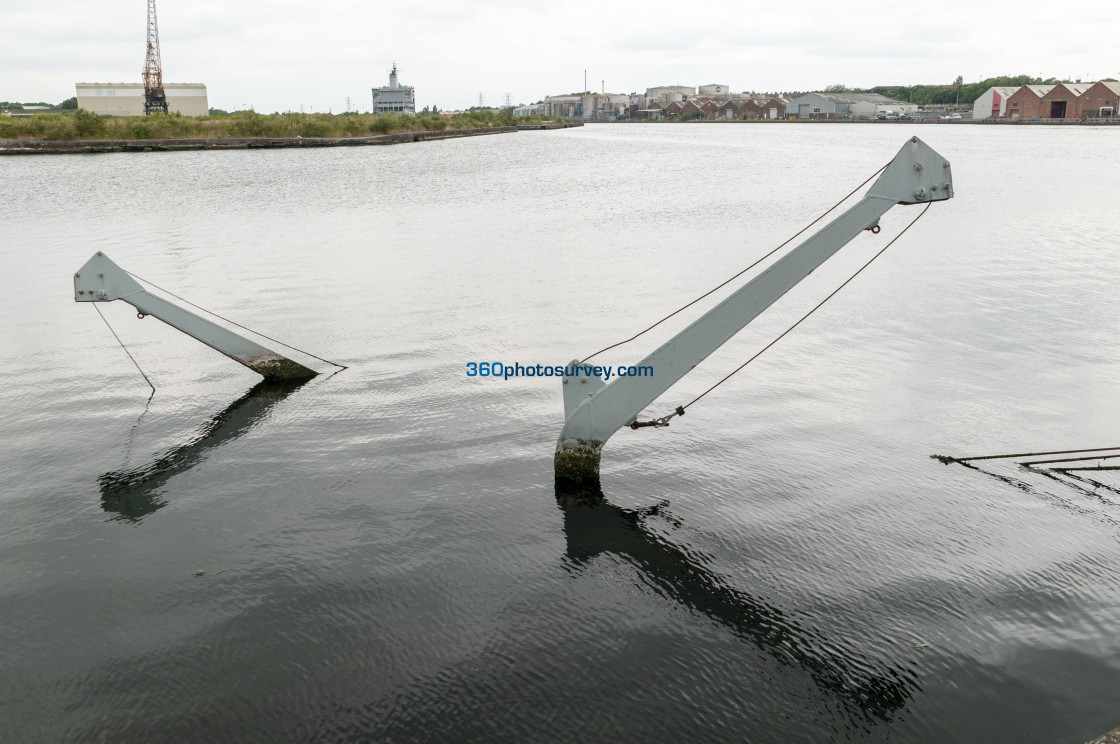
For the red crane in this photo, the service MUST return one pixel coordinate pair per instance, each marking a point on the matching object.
(155, 99)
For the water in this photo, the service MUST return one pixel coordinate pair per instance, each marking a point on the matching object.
(383, 554)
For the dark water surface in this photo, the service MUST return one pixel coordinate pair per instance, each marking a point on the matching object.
(384, 556)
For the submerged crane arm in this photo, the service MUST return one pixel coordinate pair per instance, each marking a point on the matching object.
(101, 280)
(595, 410)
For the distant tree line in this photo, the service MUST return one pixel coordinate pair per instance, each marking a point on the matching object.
(70, 104)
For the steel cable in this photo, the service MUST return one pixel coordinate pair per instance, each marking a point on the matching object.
(126, 351)
(736, 276)
(680, 409)
(233, 322)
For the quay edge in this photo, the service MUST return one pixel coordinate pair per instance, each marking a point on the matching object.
(71, 147)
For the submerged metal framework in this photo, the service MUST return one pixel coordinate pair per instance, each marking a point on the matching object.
(594, 410)
(101, 280)
(155, 99)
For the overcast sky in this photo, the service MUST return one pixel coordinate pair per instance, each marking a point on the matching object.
(280, 55)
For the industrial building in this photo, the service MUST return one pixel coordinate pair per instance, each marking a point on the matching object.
(992, 103)
(1064, 101)
(604, 106)
(565, 107)
(1026, 101)
(1100, 100)
(843, 105)
(394, 98)
(664, 94)
(1060, 102)
(714, 89)
(127, 99)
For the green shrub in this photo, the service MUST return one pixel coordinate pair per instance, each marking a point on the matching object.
(140, 130)
(384, 123)
(87, 124)
(84, 124)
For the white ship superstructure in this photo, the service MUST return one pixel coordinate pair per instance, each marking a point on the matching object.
(394, 98)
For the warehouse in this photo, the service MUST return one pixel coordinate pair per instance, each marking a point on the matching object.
(1026, 102)
(127, 99)
(840, 105)
(1061, 101)
(714, 89)
(992, 103)
(664, 94)
(1100, 100)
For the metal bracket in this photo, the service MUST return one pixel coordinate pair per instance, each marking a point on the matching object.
(101, 280)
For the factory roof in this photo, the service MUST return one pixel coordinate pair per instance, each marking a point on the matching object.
(1075, 88)
(856, 97)
(1038, 90)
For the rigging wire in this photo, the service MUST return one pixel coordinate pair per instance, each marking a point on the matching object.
(947, 459)
(680, 409)
(733, 278)
(233, 322)
(126, 351)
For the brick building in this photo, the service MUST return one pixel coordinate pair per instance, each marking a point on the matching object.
(1026, 102)
(773, 108)
(726, 109)
(692, 107)
(1063, 101)
(1101, 99)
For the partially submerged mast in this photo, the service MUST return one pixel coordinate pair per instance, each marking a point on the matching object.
(101, 280)
(594, 410)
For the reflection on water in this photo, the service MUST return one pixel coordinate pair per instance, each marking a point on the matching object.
(1052, 497)
(135, 493)
(593, 526)
(424, 594)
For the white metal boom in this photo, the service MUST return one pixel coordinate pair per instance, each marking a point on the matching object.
(595, 410)
(101, 280)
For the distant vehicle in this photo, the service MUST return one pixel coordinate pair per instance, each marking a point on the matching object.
(954, 116)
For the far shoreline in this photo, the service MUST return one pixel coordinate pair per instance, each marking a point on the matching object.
(74, 147)
(923, 121)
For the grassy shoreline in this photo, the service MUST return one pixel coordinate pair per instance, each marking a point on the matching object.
(85, 125)
(78, 147)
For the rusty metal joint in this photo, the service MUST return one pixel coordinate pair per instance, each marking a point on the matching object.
(663, 421)
(644, 424)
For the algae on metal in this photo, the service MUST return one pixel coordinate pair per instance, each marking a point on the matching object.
(275, 367)
(1112, 737)
(577, 465)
